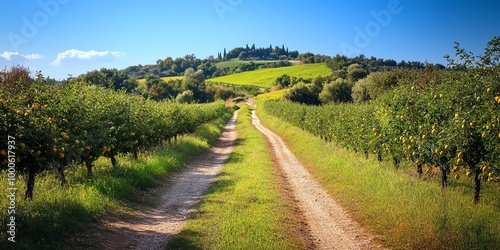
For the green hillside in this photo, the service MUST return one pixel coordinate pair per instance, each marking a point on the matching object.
(166, 79)
(235, 63)
(264, 78)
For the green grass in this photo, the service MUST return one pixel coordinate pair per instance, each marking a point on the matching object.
(233, 63)
(243, 208)
(166, 79)
(274, 95)
(56, 213)
(264, 78)
(406, 212)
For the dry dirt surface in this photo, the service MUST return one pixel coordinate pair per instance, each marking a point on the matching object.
(329, 225)
(152, 229)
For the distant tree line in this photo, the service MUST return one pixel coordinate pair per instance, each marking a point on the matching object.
(252, 53)
(191, 88)
(176, 67)
(352, 79)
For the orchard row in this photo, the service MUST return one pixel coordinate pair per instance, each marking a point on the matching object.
(57, 127)
(450, 120)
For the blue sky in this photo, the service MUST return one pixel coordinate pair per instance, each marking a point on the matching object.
(61, 37)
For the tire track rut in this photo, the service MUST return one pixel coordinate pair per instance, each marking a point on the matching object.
(330, 226)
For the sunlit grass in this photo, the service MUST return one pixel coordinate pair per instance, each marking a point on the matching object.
(236, 62)
(406, 212)
(243, 209)
(274, 95)
(165, 78)
(264, 78)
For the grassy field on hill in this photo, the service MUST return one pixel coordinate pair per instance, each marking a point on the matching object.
(274, 95)
(166, 79)
(235, 63)
(264, 78)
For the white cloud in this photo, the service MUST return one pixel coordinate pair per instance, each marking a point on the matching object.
(72, 56)
(15, 56)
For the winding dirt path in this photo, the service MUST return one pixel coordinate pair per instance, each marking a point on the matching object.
(329, 225)
(153, 229)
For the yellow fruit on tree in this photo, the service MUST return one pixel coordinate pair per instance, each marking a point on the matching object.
(36, 106)
(3, 152)
(61, 155)
(77, 142)
(484, 169)
(424, 137)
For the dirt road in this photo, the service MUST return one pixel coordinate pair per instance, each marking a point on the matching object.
(153, 228)
(330, 227)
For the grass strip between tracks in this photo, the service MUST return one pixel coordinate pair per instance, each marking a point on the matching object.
(243, 209)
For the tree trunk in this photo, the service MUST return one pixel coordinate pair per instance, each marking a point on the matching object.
(366, 154)
(396, 163)
(419, 170)
(135, 154)
(444, 178)
(30, 183)
(113, 159)
(477, 186)
(89, 166)
(60, 174)
(379, 157)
